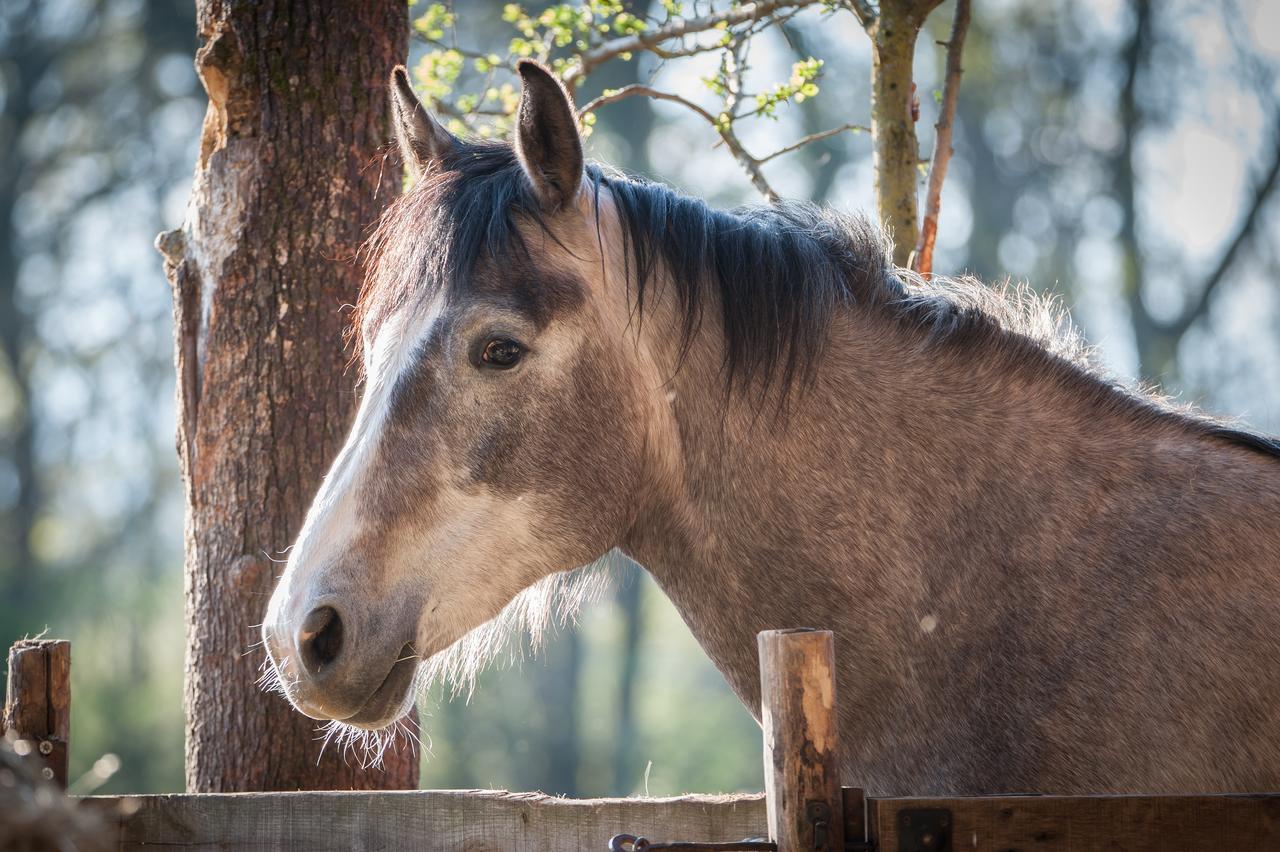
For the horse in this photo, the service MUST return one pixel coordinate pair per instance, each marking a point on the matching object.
(1040, 580)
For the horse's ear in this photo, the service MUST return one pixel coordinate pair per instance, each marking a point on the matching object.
(547, 140)
(422, 140)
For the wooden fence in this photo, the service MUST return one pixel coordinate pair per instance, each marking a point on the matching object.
(803, 808)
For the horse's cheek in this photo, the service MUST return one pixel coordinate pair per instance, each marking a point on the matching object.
(598, 440)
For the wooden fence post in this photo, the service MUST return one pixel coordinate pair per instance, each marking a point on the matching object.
(798, 715)
(37, 707)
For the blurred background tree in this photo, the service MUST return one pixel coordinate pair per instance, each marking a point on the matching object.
(98, 127)
(1120, 153)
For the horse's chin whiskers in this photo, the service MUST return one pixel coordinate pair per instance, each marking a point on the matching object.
(369, 748)
(409, 732)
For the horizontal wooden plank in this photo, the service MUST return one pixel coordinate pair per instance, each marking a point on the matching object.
(483, 820)
(471, 820)
(1225, 823)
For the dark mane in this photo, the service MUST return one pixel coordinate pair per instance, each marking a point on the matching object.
(778, 273)
(774, 320)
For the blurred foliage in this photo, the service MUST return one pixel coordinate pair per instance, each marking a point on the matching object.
(99, 119)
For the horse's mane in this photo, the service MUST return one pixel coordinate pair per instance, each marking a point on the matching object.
(778, 274)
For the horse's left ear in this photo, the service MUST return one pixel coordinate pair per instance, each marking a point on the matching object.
(422, 140)
(547, 140)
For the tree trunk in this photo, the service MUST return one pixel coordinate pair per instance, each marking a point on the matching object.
(1156, 355)
(895, 150)
(557, 687)
(28, 59)
(288, 180)
(625, 774)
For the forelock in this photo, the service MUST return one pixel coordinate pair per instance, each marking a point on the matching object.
(432, 237)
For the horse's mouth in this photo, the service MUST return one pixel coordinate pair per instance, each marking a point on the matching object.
(391, 699)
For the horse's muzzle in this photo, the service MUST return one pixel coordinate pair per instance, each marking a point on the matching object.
(331, 669)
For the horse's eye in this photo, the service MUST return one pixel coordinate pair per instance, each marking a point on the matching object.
(501, 352)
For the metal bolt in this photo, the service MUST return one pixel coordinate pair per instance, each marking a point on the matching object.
(46, 748)
(47, 773)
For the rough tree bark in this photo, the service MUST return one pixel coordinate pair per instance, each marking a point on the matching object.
(289, 178)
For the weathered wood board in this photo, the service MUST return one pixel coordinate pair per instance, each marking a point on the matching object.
(1225, 823)
(461, 820)
(487, 821)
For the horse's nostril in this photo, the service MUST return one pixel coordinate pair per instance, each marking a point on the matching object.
(320, 639)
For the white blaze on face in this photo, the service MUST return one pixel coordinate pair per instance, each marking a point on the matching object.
(330, 525)
(478, 552)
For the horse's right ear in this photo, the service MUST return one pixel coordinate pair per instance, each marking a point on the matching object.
(547, 140)
(422, 140)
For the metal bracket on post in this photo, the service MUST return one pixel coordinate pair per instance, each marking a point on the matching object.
(819, 815)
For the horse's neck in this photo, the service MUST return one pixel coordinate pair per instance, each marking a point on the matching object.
(995, 537)
(832, 516)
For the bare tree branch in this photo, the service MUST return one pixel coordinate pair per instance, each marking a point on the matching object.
(749, 164)
(681, 52)
(864, 13)
(678, 28)
(639, 89)
(922, 257)
(815, 137)
(1247, 229)
(452, 110)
